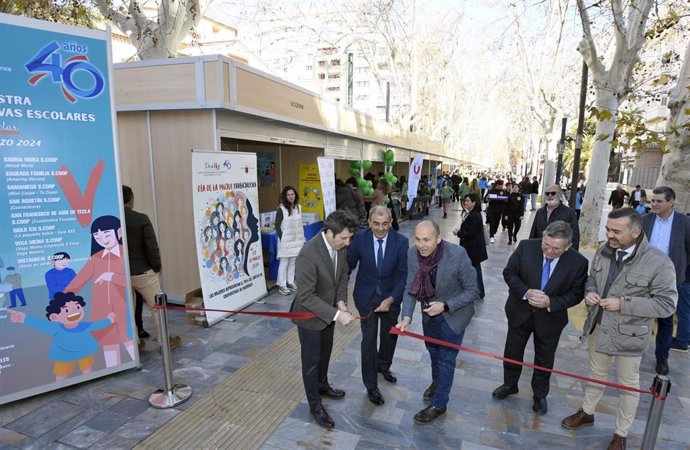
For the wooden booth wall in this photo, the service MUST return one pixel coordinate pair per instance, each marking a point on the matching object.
(173, 135)
(291, 157)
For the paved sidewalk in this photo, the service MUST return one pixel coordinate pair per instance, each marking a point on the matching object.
(113, 412)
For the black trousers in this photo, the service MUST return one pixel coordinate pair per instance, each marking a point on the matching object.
(377, 325)
(545, 345)
(316, 346)
(138, 310)
(514, 224)
(480, 279)
(494, 218)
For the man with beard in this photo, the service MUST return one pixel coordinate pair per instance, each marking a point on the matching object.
(552, 211)
(630, 283)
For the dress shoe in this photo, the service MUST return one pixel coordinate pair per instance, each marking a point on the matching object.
(662, 366)
(617, 443)
(375, 396)
(504, 391)
(430, 391)
(143, 334)
(540, 406)
(577, 420)
(678, 346)
(141, 345)
(428, 414)
(322, 418)
(331, 392)
(175, 341)
(388, 375)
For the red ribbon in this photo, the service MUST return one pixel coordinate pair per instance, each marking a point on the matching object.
(395, 330)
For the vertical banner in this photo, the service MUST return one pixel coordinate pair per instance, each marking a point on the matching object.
(65, 313)
(310, 190)
(413, 178)
(327, 175)
(226, 220)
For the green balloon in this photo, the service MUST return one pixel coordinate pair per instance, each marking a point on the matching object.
(369, 183)
(394, 179)
(389, 177)
(366, 164)
(369, 191)
(390, 163)
(355, 165)
(390, 154)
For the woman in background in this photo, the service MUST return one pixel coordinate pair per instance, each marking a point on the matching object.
(471, 234)
(290, 238)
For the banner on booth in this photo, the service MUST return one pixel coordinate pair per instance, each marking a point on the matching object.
(226, 223)
(65, 313)
(310, 194)
(413, 177)
(327, 175)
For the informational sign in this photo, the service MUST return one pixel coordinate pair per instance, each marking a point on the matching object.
(413, 177)
(226, 220)
(327, 175)
(65, 313)
(310, 195)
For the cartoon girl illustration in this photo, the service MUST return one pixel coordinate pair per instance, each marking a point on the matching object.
(222, 228)
(208, 234)
(223, 266)
(106, 269)
(220, 209)
(239, 248)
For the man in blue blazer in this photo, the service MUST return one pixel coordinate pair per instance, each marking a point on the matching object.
(669, 231)
(545, 277)
(382, 257)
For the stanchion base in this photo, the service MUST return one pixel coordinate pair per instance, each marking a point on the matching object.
(163, 399)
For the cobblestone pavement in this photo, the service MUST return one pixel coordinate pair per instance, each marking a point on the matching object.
(113, 412)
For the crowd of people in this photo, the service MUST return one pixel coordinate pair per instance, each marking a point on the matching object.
(636, 276)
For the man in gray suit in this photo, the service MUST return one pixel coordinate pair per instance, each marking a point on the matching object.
(441, 278)
(669, 231)
(321, 277)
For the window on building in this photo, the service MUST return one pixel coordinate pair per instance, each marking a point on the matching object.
(333, 76)
(333, 88)
(310, 67)
(335, 62)
(321, 76)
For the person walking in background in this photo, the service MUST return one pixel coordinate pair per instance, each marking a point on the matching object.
(344, 197)
(630, 283)
(446, 194)
(670, 232)
(496, 199)
(534, 191)
(441, 278)
(381, 254)
(617, 197)
(474, 188)
(526, 191)
(321, 275)
(578, 202)
(290, 233)
(538, 305)
(471, 234)
(514, 210)
(483, 185)
(552, 211)
(359, 201)
(637, 196)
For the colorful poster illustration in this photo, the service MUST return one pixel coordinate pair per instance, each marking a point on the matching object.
(65, 313)
(226, 219)
(310, 196)
(327, 175)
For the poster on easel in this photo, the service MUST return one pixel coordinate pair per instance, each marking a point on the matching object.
(310, 194)
(226, 219)
(65, 314)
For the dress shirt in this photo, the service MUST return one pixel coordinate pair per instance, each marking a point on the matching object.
(376, 247)
(331, 251)
(661, 233)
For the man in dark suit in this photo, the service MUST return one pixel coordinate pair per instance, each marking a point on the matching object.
(637, 196)
(538, 303)
(321, 278)
(554, 210)
(669, 231)
(382, 257)
(441, 278)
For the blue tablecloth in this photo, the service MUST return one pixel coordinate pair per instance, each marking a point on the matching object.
(269, 242)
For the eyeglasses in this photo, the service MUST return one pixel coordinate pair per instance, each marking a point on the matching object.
(551, 193)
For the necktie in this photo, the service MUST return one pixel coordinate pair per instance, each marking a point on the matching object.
(379, 256)
(545, 272)
(334, 259)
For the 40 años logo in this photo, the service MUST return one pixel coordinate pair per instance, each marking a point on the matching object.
(75, 69)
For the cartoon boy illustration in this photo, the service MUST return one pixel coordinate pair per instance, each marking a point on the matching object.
(72, 340)
(60, 275)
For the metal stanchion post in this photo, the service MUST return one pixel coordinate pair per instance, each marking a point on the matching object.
(660, 388)
(172, 394)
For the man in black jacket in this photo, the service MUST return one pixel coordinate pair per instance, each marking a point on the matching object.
(552, 211)
(538, 303)
(144, 259)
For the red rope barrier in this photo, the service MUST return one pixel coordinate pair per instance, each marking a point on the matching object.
(395, 330)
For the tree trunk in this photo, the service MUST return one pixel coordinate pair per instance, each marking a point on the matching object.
(595, 195)
(675, 168)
